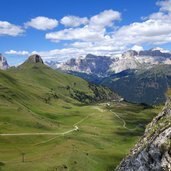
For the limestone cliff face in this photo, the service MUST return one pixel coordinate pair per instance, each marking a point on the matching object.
(3, 62)
(153, 151)
(102, 66)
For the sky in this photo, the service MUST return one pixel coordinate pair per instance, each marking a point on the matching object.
(62, 29)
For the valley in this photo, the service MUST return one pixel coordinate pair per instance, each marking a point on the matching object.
(54, 121)
(138, 76)
(85, 85)
(101, 135)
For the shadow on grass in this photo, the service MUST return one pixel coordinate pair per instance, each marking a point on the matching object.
(1, 165)
(129, 133)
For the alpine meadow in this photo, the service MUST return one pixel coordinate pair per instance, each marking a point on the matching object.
(85, 85)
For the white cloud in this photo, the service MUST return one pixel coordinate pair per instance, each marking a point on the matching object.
(156, 29)
(42, 23)
(94, 31)
(9, 29)
(85, 34)
(60, 54)
(73, 21)
(104, 19)
(165, 5)
(137, 48)
(79, 49)
(150, 31)
(13, 52)
(96, 38)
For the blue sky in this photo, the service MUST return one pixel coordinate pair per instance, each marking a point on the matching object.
(61, 29)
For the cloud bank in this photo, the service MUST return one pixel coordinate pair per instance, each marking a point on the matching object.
(20, 53)
(95, 37)
(100, 34)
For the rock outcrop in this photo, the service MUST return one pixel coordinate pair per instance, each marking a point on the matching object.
(35, 59)
(3, 62)
(153, 151)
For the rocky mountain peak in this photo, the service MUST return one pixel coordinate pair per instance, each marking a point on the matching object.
(71, 62)
(130, 53)
(104, 65)
(3, 62)
(89, 55)
(89, 64)
(35, 59)
(160, 49)
(156, 52)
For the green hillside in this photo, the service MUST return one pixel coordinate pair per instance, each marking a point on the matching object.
(51, 119)
(141, 86)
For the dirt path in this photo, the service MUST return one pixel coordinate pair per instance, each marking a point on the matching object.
(50, 133)
(98, 108)
(123, 121)
(23, 134)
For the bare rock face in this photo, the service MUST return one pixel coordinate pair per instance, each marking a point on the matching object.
(91, 64)
(153, 151)
(35, 59)
(102, 65)
(3, 62)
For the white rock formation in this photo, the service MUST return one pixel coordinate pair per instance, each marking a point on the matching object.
(3, 62)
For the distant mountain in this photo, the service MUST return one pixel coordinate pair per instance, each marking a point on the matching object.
(153, 151)
(52, 64)
(143, 85)
(103, 66)
(142, 59)
(3, 63)
(91, 64)
(34, 80)
(139, 77)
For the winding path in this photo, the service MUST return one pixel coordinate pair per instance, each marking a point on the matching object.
(49, 133)
(123, 121)
(23, 134)
(71, 130)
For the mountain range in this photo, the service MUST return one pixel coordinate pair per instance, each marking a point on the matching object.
(138, 76)
(141, 86)
(59, 81)
(62, 122)
(103, 66)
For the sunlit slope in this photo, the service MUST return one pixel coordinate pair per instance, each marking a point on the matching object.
(33, 91)
(37, 99)
(99, 145)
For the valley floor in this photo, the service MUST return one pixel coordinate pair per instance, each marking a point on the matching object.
(77, 138)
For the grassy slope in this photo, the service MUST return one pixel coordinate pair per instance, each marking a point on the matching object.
(142, 86)
(34, 90)
(100, 143)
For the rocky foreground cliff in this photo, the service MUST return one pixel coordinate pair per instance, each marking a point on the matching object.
(153, 151)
